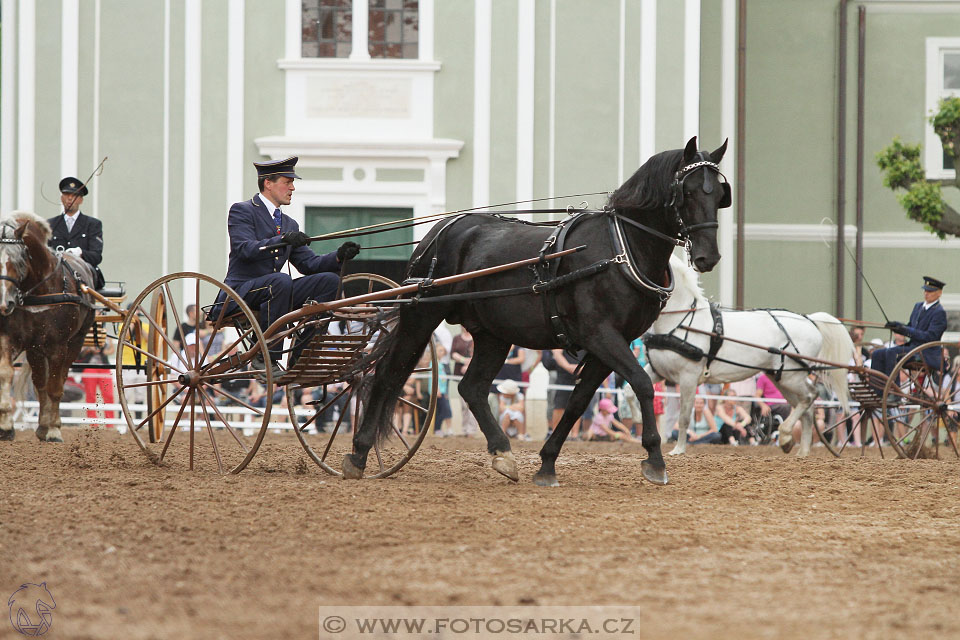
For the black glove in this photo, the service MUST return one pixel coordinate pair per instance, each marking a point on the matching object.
(295, 238)
(891, 324)
(348, 251)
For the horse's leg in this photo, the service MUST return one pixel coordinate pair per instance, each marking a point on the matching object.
(591, 375)
(409, 338)
(614, 352)
(489, 352)
(6, 389)
(55, 374)
(800, 394)
(688, 390)
(38, 371)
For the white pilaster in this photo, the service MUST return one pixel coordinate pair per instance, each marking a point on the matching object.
(728, 125)
(192, 105)
(526, 70)
(483, 34)
(165, 179)
(648, 79)
(691, 69)
(360, 49)
(426, 15)
(8, 106)
(552, 114)
(95, 127)
(292, 18)
(69, 86)
(621, 89)
(234, 106)
(26, 107)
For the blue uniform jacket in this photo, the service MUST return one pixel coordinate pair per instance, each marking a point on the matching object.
(87, 235)
(251, 226)
(926, 326)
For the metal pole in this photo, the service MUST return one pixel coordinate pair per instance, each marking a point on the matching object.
(740, 148)
(861, 73)
(841, 151)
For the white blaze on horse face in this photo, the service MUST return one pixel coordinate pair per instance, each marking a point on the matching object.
(8, 290)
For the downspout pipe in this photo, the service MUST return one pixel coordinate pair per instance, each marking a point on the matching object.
(741, 150)
(841, 153)
(861, 97)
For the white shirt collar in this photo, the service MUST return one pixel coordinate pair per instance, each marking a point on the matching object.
(73, 218)
(927, 305)
(269, 205)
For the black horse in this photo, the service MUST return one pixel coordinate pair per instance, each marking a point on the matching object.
(601, 298)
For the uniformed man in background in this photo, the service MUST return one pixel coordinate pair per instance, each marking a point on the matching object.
(74, 232)
(928, 321)
(256, 273)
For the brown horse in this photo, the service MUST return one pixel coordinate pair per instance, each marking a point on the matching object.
(42, 312)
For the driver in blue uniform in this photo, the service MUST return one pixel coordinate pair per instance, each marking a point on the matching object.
(928, 321)
(256, 275)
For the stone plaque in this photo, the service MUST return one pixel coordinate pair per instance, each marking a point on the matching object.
(358, 97)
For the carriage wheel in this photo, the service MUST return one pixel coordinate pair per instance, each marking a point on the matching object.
(202, 385)
(840, 437)
(326, 425)
(921, 416)
(157, 367)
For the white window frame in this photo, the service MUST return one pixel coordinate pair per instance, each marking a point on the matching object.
(933, 150)
(359, 52)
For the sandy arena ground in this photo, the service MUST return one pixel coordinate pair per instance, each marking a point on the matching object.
(744, 543)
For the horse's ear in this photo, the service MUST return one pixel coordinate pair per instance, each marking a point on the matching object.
(717, 154)
(19, 231)
(690, 151)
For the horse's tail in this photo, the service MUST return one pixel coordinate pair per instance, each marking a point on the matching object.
(836, 347)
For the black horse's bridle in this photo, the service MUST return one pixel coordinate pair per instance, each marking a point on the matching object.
(24, 299)
(676, 201)
(16, 282)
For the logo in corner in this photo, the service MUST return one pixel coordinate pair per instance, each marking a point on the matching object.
(31, 609)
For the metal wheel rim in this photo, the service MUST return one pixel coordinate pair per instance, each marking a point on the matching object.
(260, 344)
(428, 420)
(156, 371)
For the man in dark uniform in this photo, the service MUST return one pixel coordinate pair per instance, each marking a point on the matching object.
(256, 275)
(928, 321)
(75, 233)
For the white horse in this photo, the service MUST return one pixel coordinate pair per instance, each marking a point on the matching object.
(819, 335)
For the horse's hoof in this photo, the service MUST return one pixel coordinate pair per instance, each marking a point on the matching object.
(6, 434)
(506, 464)
(54, 440)
(656, 475)
(786, 446)
(545, 480)
(350, 470)
(677, 451)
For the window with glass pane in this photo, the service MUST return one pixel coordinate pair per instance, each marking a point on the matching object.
(327, 27)
(951, 70)
(323, 220)
(394, 27)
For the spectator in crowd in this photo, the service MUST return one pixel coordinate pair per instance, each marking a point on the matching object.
(734, 420)
(188, 326)
(442, 418)
(461, 354)
(630, 408)
(566, 366)
(604, 426)
(512, 369)
(98, 379)
(856, 335)
(512, 411)
(703, 425)
(773, 414)
(412, 393)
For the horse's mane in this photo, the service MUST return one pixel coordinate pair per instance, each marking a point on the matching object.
(649, 186)
(34, 231)
(686, 281)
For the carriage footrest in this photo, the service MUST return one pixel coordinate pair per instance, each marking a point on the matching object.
(326, 359)
(866, 394)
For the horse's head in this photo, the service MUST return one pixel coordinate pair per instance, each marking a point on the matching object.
(24, 257)
(697, 195)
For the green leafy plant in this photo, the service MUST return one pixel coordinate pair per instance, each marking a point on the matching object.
(902, 170)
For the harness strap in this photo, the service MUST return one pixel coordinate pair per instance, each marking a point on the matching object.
(716, 340)
(546, 273)
(634, 275)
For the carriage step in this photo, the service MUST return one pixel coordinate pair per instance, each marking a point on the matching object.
(866, 394)
(326, 359)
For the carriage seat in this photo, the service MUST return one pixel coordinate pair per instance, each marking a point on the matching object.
(113, 290)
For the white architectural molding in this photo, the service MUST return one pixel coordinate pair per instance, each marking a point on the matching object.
(165, 177)
(69, 86)
(728, 130)
(932, 147)
(293, 27)
(8, 106)
(483, 47)
(235, 101)
(26, 104)
(192, 106)
(526, 68)
(552, 112)
(333, 151)
(648, 80)
(346, 64)
(691, 68)
(426, 28)
(827, 234)
(95, 127)
(621, 88)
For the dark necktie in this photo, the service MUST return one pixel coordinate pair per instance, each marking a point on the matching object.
(276, 220)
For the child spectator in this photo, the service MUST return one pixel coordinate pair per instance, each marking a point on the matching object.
(604, 426)
(512, 410)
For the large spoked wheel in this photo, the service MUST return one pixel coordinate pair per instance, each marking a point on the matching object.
(858, 431)
(325, 418)
(157, 366)
(920, 413)
(207, 385)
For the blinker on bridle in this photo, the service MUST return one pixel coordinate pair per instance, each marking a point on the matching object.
(14, 281)
(676, 202)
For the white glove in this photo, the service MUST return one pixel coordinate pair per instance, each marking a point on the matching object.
(75, 251)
